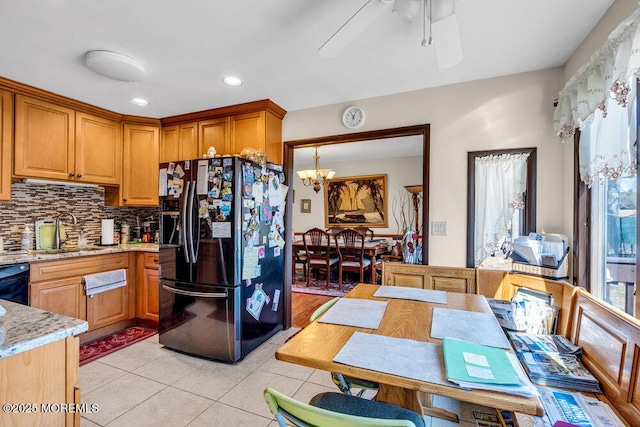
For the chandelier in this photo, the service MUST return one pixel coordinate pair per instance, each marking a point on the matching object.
(315, 177)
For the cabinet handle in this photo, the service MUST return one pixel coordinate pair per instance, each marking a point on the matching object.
(80, 176)
(71, 175)
(124, 200)
(155, 260)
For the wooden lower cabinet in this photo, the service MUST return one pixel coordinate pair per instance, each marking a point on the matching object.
(43, 375)
(450, 279)
(147, 282)
(56, 286)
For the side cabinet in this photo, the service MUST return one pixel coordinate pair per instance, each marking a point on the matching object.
(448, 279)
(56, 286)
(147, 303)
(6, 143)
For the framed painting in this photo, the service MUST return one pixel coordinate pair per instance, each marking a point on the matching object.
(356, 201)
(305, 205)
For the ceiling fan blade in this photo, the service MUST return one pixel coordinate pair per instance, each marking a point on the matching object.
(446, 42)
(354, 26)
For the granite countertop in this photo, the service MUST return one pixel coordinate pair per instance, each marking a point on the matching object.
(23, 328)
(50, 254)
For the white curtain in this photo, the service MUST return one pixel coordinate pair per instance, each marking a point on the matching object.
(500, 184)
(598, 100)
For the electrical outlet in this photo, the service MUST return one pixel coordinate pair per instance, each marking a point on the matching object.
(438, 228)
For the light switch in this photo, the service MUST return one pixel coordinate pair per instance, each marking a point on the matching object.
(438, 228)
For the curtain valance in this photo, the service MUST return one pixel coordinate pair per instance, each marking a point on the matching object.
(604, 79)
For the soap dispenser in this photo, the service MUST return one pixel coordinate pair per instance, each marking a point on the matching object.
(82, 241)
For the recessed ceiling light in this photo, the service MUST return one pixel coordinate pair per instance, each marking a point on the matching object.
(115, 65)
(139, 101)
(232, 81)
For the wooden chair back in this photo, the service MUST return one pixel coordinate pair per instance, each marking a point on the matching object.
(350, 244)
(316, 244)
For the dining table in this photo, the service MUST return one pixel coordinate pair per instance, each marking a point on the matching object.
(371, 250)
(317, 345)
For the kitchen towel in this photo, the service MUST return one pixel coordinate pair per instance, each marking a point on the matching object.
(107, 232)
(100, 282)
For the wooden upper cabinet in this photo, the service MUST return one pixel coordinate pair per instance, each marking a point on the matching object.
(44, 139)
(179, 142)
(170, 144)
(214, 133)
(140, 171)
(6, 135)
(98, 156)
(247, 131)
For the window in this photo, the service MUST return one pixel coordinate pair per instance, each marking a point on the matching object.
(521, 215)
(606, 220)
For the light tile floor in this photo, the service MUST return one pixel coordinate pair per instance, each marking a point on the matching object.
(146, 384)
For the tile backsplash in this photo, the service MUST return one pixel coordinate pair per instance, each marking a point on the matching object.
(32, 202)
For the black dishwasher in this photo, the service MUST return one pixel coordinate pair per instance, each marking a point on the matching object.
(14, 283)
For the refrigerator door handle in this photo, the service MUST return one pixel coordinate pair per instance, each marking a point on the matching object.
(193, 211)
(185, 230)
(196, 244)
(196, 294)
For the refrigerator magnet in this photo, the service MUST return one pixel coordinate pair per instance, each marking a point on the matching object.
(261, 252)
(171, 168)
(256, 302)
(276, 300)
(179, 172)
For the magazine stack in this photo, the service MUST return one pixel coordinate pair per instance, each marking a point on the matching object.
(553, 360)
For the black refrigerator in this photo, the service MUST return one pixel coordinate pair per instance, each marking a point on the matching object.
(221, 256)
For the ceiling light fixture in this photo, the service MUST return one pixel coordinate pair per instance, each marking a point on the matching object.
(141, 102)
(406, 10)
(115, 65)
(315, 177)
(232, 81)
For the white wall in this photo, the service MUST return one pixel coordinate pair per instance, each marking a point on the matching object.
(514, 111)
(400, 171)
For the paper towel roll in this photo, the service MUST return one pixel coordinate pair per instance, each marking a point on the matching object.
(107, 232)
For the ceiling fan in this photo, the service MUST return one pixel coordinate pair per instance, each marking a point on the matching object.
(439, 14)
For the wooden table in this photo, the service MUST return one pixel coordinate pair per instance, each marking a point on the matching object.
(316, 345)
(371, 250)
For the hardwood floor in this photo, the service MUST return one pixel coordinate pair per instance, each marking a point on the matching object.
(303, 305)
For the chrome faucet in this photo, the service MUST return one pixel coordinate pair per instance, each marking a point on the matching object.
(57, 241)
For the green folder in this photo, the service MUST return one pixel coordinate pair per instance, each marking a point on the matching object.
(474, 363)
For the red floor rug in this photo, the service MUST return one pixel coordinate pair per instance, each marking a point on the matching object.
(101, 347)
(317, 285)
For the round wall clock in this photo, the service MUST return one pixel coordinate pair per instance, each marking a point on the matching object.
(353, 117)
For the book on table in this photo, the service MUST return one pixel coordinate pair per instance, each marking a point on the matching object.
(539, 343)
(476, 366)
(559, 370)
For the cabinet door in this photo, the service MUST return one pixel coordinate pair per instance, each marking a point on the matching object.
(64, 296)
(214, 133)
(170, 144)
(189, 141)
(6, 133)
(108, 307)
(397, 274)
(140, 173)
(44, 139)
(248, 131)
(150, 302)
(98, 150)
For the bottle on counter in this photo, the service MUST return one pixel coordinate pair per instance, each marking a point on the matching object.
(124, 234)
(116, 233)
(26, 239)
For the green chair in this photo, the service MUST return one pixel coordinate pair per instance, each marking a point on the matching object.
(339, 410)
(344, 383)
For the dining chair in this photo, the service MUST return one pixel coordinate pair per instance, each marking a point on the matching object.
(340, 410)
(366, 232)
(301, 258)
(316, 246)
(344, 382)
(350, 244)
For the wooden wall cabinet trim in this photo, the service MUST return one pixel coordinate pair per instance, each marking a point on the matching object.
(450, 279)
(6, 143)
(140, 170)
